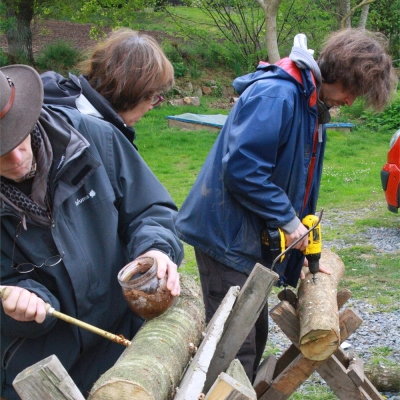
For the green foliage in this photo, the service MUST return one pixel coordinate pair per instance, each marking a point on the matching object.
(180, 69)
(380, 356)
(384, 17)
(59, 56)
(389, 119)
(3, 59)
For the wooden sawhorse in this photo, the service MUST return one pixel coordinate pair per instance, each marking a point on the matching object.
(278, 379)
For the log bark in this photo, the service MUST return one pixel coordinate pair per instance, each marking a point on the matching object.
(384, 378)
(152, 366)
(318, 310)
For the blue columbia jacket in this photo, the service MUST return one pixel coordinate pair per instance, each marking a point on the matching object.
(256, 173)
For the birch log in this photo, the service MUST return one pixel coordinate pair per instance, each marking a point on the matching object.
(318, 310)
(152, 366)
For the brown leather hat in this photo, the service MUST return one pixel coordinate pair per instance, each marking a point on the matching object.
(21, 98)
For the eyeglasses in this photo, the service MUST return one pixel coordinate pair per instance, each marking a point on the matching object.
(157, 99)
(24, 268)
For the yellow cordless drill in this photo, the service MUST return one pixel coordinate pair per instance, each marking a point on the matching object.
(314, 247)
(274, 246)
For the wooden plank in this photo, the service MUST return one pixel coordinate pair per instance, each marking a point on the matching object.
(285, 359)
(290, 378)
(251, 300)
(265, 374)
(191, 385)
(355, 371)
(367, 386)
(227, 388)
(371, 390)
(289, 296)
(342, 296)
(285, 316)
(335, 375)
(237, 372)
(47, 379)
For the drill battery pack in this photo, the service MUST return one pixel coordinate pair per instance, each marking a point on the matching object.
(272, 244)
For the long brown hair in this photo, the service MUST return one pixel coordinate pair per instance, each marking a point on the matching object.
(127, 68)
(358, 60)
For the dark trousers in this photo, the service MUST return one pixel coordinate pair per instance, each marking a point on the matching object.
(216, 279)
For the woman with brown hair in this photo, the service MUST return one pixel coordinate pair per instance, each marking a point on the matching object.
(120, 82)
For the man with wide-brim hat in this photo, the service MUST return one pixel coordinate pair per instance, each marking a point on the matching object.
(21, 98)
(74, 210)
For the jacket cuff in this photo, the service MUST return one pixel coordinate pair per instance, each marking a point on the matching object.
(291, 226)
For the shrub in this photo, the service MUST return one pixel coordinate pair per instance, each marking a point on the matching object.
(59, 56)
(180, 69)
(386, 120)
(3, 58)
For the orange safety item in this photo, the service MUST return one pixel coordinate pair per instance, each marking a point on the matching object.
(390, 174)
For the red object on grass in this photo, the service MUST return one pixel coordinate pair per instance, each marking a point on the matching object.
(390, 174)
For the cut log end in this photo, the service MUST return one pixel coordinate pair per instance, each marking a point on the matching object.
(318, 345)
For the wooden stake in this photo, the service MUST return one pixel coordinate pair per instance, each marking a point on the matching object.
(6, 290)
(47, 379)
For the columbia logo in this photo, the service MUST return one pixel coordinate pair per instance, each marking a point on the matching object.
(92, 193)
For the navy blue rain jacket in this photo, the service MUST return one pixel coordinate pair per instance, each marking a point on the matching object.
(256, 172)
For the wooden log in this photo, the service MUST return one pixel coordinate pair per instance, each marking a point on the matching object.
(318, 310)
(251, 300)
(151, 367)
(47, 379)
(384, 377)
(191, 385)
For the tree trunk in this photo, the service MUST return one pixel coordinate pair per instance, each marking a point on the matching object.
(270, 8)
(18, 32)
(152, 366)
(318, 310)
(384, 378)
(343, 9)
(364, 16)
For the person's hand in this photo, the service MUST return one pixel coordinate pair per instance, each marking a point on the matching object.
(292, 237)
(321, 269)
(166, 266)
(23, 305)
